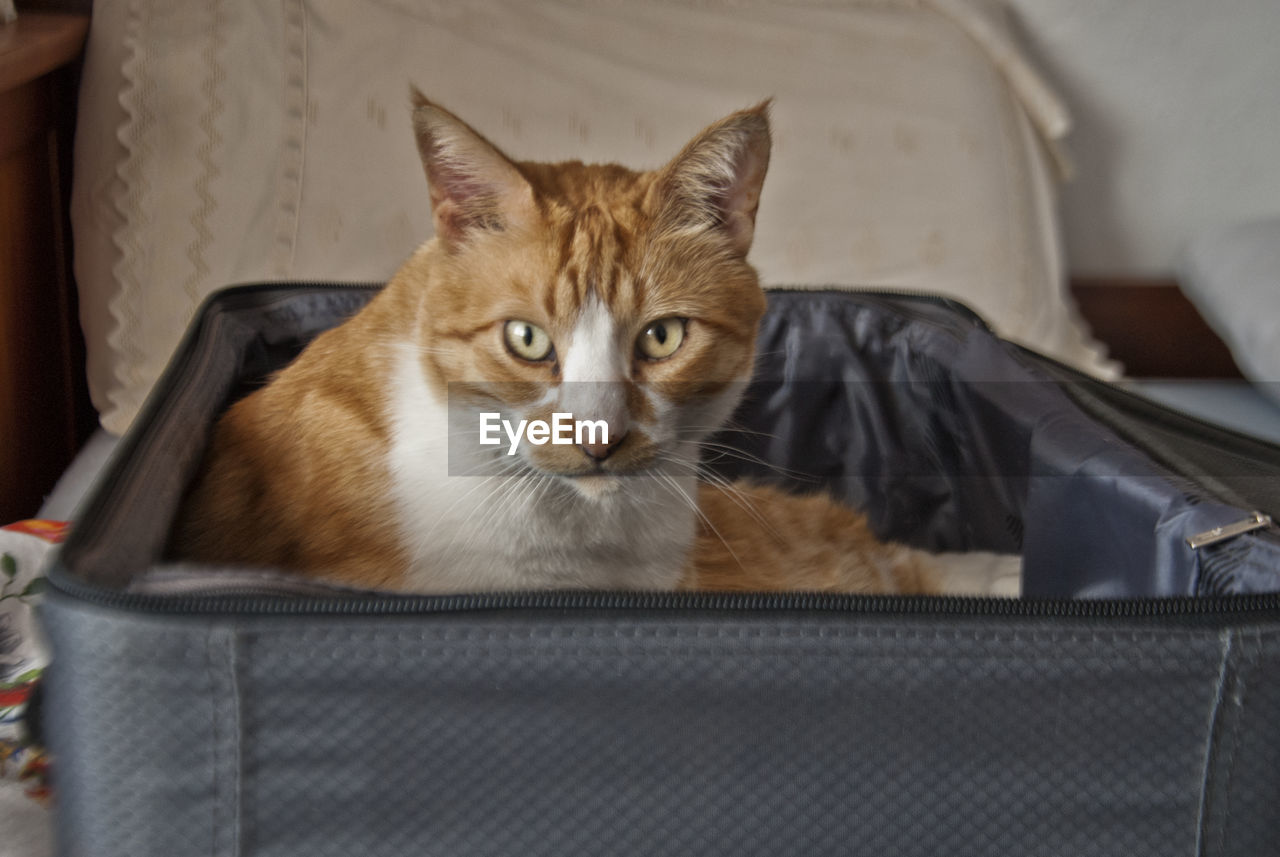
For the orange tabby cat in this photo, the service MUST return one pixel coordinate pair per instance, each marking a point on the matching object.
(385, 455)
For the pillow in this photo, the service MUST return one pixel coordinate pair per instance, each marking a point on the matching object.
(1232, 276)
(224, 143)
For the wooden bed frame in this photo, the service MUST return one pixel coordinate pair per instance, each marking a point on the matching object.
(45, 413)
(1150, 327)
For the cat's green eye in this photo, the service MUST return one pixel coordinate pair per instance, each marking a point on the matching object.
(661, 338)
(527, 341)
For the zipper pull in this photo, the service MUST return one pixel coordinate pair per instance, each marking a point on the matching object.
(1229, 531)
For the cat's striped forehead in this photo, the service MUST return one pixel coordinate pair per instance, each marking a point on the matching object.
(602, 242)
(597, 260)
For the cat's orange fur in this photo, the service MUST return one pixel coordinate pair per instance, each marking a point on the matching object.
(756, 538)
(298, 474)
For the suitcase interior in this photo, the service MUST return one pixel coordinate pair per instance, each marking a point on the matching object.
(904, 406)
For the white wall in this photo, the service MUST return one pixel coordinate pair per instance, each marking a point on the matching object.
(1177, 120)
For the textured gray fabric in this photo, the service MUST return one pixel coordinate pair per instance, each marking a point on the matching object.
(536, 733)
(144, 736)
(1242, 812)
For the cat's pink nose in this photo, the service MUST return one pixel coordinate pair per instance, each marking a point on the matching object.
(599, 451)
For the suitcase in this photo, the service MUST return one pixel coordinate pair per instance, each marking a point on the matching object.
(1126, 705)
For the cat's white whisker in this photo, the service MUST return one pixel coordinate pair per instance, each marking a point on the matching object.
(727, 428)
(739, 499)
(693, 504)
(724, 451)
(480, 528)
(547, 484)
(426, 537)
(736, 496)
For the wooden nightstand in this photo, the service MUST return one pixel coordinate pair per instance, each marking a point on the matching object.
(44, 413)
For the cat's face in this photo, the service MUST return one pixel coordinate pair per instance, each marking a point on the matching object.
(620, 301)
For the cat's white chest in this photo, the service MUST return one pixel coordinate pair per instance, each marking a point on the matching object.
(491, 531)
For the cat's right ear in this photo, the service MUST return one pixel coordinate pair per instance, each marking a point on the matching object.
(714, 185)
(474, 187)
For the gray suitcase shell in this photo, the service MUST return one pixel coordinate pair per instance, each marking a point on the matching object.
(1128, 706)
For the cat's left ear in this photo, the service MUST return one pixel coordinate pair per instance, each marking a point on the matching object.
(714, 184)
(474, 187)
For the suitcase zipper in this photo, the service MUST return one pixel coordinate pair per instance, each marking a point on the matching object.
(232, 593)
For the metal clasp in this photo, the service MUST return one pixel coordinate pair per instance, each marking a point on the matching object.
(1229, 531)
